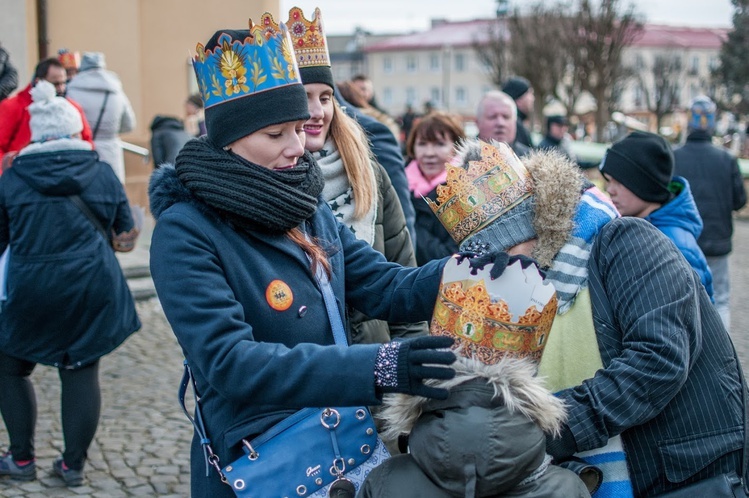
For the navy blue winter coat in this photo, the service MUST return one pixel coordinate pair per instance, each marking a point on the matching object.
(680, 220)
(68, 301)
(259, 355)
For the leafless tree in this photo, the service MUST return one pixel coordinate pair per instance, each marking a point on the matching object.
(660, 83)
(600, 35)
(537, 50)
(491, 47)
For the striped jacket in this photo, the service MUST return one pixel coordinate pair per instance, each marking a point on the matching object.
(670, 383)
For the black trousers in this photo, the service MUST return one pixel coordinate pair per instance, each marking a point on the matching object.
(80, 405)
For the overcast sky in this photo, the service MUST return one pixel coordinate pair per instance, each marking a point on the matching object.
(397, 16)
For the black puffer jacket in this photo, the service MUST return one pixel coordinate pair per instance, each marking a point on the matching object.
(717, 188)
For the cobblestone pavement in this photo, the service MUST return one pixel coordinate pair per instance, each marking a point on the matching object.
(142, 444)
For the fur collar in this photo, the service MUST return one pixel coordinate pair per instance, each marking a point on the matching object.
(60, 145)
(165, 189)
(512, 379)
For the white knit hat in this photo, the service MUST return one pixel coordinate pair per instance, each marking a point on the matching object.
(52, 117)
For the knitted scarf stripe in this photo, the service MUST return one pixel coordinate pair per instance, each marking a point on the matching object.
(251, 196)
(569, 269)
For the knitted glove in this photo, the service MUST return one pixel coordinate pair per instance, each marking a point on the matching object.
(500, 260)
(402, 366)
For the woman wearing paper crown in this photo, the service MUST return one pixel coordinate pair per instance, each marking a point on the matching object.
(488, 438)
(637, 352)
(357, 189)
(68, 303)
(245, 255)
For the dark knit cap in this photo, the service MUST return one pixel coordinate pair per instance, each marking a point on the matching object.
(556, 119)
(516, 86)
(317, 74)
(642, 162)
(233, 119)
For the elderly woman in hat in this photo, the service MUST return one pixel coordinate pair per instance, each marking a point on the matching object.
(245, 254)
(68, 303)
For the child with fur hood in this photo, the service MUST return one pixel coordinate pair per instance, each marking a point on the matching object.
(488, 439)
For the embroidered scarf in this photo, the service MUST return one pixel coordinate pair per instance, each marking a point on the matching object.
(569, 268)
(339, 195)
(250, 196)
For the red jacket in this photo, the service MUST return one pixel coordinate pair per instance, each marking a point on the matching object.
(15, 133)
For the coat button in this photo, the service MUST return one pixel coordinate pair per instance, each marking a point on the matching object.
(302, 311)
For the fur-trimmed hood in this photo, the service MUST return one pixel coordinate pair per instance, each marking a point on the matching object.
(165, 189)
(512, 381)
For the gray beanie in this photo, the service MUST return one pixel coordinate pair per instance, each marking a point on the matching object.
(92, 60)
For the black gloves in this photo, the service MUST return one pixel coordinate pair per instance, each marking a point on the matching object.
(402, 366)
(500, 260)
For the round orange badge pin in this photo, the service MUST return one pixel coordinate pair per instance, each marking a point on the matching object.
(279, 295)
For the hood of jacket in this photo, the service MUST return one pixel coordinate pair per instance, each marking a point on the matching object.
(59, 167)
(488, 435)
(511, 382)
(680, 212)
(166, 123)
(98, 79)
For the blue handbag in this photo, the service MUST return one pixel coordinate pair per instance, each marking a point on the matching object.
(313, 453)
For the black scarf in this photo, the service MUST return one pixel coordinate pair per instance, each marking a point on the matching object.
(250, 196)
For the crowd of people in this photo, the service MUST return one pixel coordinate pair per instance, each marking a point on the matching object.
(302, 239)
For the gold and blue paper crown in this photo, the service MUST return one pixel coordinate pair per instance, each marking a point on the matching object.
(248, 80)
(237, 68)
(480, 191)
(309, 42)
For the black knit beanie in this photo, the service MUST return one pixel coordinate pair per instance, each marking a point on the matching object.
(516, 86)
(233, 119)
(642, 162)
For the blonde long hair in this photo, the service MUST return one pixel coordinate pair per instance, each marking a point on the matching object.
(353, 146)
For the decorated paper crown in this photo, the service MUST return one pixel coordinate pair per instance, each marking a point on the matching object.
(248, 80)
(68, 59)
(310, 44)
(491, 319)
(480, 191)
(237, 68)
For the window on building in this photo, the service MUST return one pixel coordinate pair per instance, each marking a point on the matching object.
(714, 62)
(677, 96)
(638, 96)
(461, 95)
(639, 62)
(435, 95)
(410, 95)
(412, 63)
(387, 64)
(694, 67)
(387, 95)
(434, 62)
(460, 62)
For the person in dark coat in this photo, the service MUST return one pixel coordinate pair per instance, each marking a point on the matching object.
(168, 135)
(8, 75)
(718, 190)
(68, 303)
(556, 133)
(521, 91)
(243, 250)
(431, 144)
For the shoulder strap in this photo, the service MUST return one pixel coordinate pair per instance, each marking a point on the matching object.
(101, 113)
(76, 199)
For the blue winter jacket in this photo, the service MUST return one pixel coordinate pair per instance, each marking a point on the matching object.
(257, 358)
(68, 301)
(680, 220)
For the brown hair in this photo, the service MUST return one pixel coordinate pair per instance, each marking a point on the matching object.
(351, 94)
(353, 146)
(315, 253)
(432, 126)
